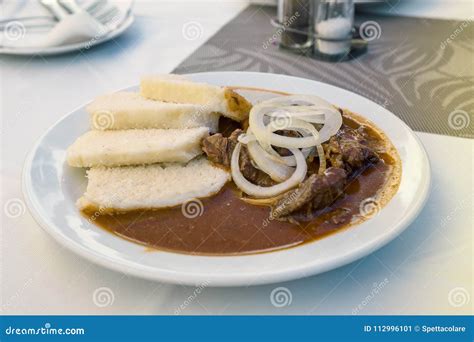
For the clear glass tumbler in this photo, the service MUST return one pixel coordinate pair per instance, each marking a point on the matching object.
(295, 24)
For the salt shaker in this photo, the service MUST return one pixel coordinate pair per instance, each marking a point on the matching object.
(333, 22)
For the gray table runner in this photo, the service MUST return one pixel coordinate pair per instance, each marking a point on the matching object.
(422, 70)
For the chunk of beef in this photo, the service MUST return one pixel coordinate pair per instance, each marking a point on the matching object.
(348, 150)
(347, 153)
(316, 192)
(219, 150)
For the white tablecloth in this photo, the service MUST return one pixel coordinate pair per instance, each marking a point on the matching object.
(427, 270)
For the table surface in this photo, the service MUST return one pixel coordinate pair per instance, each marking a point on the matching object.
(426, 270)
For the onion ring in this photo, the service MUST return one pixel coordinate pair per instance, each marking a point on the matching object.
(262, 192)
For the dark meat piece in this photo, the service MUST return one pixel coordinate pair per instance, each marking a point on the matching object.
(316, 192)
(348, 150)
(250, 172)
(347, 153)
(219, 150)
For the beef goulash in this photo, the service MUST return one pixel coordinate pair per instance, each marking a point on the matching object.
(195, 168)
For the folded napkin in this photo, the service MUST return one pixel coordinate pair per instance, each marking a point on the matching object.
(44, 32)
(74, 28)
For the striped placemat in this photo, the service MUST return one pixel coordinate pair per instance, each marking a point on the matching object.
(422, 70)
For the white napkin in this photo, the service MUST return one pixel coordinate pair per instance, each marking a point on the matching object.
(75, 28)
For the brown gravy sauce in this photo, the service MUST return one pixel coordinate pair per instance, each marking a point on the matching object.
(227, 225)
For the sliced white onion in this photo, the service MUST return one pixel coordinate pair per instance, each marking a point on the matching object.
(296, 125)
(302, 127)
(245, 138)
(264, 161)
(260, 191)
(291, 161)
(287, 160)
(270, 152)
(297, 113)
(267, 136)
(332, 120)
(308, 115)
(322, 159)
(332, 124)
(272, 164)
(313, 101)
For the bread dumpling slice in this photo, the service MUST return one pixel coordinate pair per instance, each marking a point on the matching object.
(178, 89)
(121, 189)
(129, 110)
(136, 146)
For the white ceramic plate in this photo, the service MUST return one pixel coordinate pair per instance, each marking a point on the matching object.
(56, 50)
(51, 189)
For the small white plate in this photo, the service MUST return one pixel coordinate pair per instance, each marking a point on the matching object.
(51, 189)
(56, 50)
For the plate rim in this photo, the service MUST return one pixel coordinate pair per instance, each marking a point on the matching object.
(244, 279)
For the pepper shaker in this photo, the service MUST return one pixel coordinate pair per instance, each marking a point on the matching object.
(295, 22)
